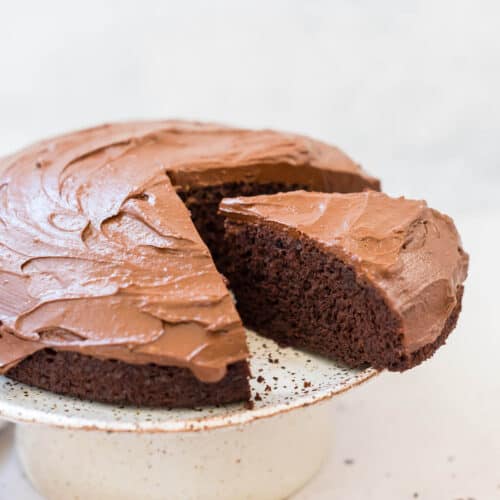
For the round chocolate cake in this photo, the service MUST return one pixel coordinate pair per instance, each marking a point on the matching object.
(361, 278)
(108, 290)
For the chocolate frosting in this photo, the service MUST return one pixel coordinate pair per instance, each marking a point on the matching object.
(98, 255)
(411, 253)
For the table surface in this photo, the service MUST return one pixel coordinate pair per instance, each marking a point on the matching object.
(431, 433)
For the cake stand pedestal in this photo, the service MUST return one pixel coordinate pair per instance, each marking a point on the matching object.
(77, 449)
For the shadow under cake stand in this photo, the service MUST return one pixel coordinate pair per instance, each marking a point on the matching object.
(78, 449)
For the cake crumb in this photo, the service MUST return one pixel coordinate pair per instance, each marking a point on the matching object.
(260, 379)
(307, 384)
(415, 495)
(268, 388)
(349, 461)
(257, 397)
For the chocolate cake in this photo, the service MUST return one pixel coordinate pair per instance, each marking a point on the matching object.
(360, 278)
(108, 292)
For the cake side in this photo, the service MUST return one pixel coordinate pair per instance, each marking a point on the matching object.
(116, 382)
(409, 256)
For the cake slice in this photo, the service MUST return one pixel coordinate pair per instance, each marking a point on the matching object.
(360, 278)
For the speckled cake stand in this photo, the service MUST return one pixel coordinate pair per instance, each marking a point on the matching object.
(74, 449)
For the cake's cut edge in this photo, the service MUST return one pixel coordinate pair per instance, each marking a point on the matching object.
(203, 204)
(203, 201)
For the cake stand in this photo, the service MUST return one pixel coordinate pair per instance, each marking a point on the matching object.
(75, 449)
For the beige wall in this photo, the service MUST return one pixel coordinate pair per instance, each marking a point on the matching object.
(410, 89)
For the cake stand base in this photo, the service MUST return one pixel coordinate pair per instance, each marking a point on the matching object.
(267, 459)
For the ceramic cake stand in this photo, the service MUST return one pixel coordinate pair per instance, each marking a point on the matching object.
(74, 449)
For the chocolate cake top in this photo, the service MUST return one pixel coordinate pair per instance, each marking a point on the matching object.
(98, 254)
(411, 253)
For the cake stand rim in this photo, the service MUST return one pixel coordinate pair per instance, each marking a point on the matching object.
(234, 417)
(307, 380)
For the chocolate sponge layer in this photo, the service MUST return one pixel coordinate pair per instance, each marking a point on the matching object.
(109, 381)
(289, 289)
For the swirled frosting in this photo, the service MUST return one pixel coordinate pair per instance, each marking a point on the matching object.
(98, 255)
(411, 253)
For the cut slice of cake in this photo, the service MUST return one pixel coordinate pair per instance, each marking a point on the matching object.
(360, 278)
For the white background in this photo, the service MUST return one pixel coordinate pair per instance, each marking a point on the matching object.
(409, 89)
